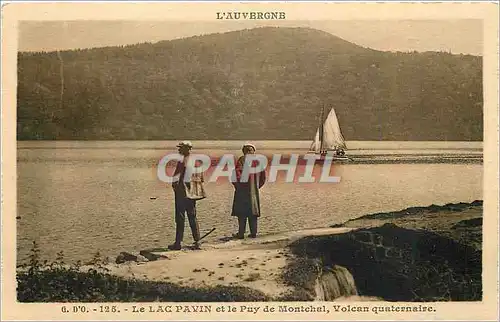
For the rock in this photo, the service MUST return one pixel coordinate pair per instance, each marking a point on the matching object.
(152, 256)
(378, 239)
(393, 252)
(142, 259)
(125, 257)
(477, 203)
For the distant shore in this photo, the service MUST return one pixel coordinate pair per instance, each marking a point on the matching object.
(408, 252)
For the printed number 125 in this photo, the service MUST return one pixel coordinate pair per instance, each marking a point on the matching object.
(107, 309)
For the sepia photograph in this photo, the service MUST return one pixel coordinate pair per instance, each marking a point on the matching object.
(326, 166)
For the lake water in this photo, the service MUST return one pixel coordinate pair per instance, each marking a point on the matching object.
(84, 197)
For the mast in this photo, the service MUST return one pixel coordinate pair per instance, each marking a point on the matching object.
(321, 128)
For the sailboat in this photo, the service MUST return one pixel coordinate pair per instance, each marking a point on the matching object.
(329, 139)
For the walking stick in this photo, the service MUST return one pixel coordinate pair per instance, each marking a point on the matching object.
(211, 231)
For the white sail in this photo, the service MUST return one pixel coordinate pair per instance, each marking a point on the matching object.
(332, 135)
(316, 144)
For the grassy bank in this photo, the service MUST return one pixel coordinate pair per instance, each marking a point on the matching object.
(416, 254)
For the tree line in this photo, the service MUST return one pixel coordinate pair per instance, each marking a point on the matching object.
(264, 83)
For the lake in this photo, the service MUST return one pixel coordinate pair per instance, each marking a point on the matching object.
(87, 196)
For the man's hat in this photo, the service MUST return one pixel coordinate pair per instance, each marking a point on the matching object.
(249, 145)
(185, 143)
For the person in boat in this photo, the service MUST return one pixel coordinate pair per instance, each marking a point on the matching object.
(338, 152)
(186, 192)
(246, 202)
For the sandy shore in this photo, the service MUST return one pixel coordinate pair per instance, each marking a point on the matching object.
(270, 263)
(255, 263)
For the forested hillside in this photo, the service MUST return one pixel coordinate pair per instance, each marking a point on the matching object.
(264, 83)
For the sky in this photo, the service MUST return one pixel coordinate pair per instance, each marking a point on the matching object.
(456, 36)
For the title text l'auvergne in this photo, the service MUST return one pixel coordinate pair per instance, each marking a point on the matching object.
(253, 15)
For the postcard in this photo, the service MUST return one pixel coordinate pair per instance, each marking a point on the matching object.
(249, 161)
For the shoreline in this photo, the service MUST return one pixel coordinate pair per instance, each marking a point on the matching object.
(369, 157)
(313, 264)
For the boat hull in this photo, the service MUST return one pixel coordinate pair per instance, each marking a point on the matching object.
(343, 158)
(333, 157)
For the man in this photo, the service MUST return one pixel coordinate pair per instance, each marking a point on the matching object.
(186, 193)
(246, 202)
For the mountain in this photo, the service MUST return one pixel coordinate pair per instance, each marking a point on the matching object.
(263, 83)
